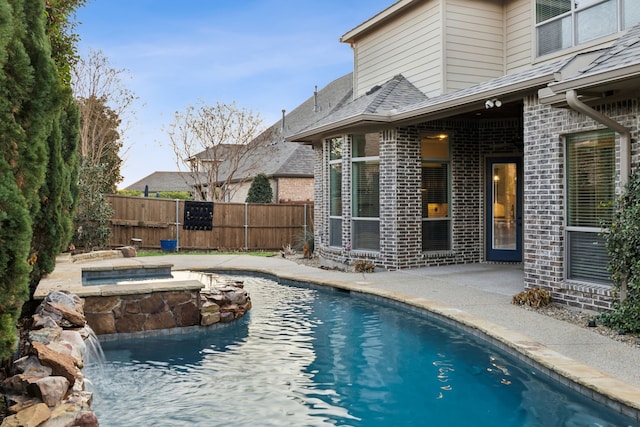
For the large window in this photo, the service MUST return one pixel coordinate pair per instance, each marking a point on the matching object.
(590, 193)
(365, 175)
(561, 24)
(335, 191)
(435, 190)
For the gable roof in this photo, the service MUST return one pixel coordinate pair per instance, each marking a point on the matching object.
(398, 101)
(164, 181)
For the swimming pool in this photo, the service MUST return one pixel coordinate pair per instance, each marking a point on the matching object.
(310, 357)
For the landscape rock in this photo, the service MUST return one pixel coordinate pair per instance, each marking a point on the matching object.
(51, 390)
(128, 252)
(32, 416)
(208, 319)
(30, 365)
(61, 364)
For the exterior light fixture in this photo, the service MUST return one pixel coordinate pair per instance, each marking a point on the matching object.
(494, 102)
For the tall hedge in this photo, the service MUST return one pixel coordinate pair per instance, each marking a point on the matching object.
(37, 167)
(53, 226)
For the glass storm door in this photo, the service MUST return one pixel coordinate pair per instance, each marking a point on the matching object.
(504, 209)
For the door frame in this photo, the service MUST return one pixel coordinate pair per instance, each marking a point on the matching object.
(503, 255)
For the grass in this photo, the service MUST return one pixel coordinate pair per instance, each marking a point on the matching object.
(143, 253)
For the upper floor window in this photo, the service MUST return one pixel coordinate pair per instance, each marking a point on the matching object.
(561, 24)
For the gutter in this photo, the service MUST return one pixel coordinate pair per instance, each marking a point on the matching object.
(625, 136)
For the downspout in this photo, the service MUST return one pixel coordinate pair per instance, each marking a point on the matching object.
(625, 146)
(625, 135)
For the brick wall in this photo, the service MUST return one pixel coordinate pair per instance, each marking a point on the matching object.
(544, 201)
(400, 200)
(295, 190)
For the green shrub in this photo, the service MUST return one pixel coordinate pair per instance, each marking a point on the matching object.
(260, 190)
(623, 245)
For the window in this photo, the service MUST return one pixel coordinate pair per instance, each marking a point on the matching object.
(365, 175)
(435, 190)
(590, 193)
(335, 191)
(561, 24)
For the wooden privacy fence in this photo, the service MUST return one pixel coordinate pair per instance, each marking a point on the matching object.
(146, 221)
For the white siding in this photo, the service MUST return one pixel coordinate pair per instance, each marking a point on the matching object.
(474, 42)
(520, 35)
(410, 45)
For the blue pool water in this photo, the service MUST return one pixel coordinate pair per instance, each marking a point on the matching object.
(308, 357)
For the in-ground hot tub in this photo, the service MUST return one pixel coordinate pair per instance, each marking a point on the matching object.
(92, 276)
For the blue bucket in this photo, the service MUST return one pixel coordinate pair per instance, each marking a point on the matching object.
(168, 245)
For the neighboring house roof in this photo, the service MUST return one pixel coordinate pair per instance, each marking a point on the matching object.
(164, 181)
(274, 155)
(276, 160)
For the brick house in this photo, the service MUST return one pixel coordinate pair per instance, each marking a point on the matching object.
(483, 131)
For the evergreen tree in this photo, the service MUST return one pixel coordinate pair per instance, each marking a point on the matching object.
(260, 190)
(53, 226)
(18, 177)
(36, 134)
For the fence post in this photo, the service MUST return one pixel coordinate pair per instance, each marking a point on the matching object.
(246, 226)
(305, 222)
(177, 226)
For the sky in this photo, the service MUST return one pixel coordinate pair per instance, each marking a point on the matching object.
(264, 55)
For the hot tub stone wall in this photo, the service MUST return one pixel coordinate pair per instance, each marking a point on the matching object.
(142, 312)
(222, 301)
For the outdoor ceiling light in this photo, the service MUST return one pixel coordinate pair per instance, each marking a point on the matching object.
(494, 102)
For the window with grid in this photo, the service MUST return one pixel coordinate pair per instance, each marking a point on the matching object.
(365, 178)
(435, 192)
(561, 24)
(335, 191)
(590, 175)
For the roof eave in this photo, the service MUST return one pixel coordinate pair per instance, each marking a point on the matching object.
(598, 79)
(444, 109)
(359, 119)
(382, 17)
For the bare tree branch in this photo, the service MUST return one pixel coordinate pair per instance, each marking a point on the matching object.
(104, 101)
(215, 143)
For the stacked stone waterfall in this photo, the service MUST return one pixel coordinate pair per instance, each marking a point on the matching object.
(48, 388)
(223, 302)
